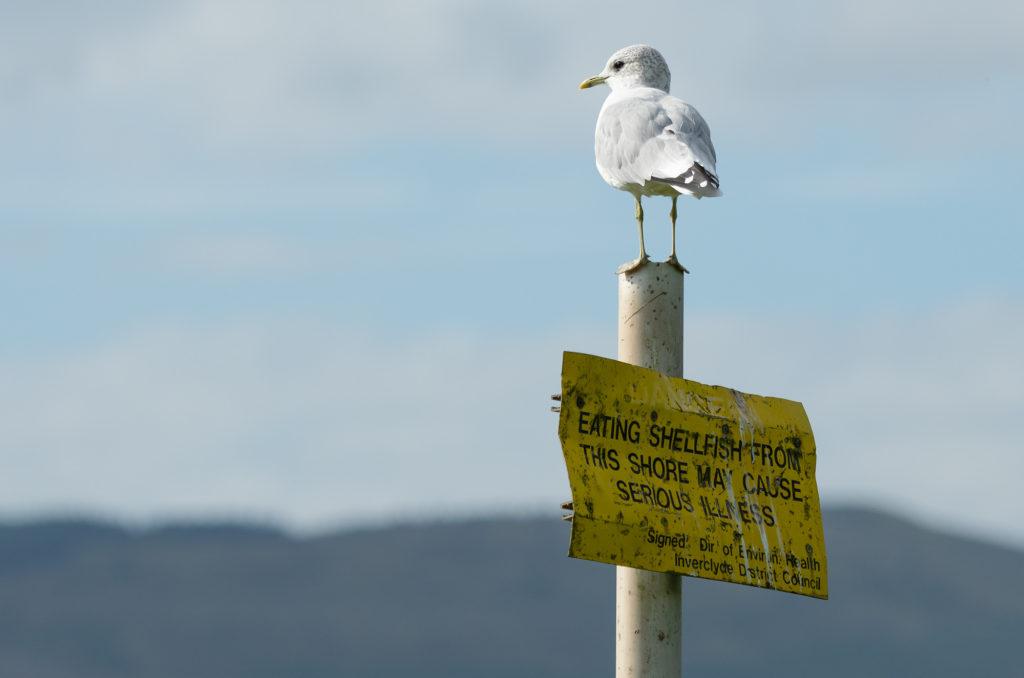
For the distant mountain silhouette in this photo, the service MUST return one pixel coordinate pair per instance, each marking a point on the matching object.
(480, 598)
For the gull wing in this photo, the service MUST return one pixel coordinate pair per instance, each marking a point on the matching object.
(645, 135)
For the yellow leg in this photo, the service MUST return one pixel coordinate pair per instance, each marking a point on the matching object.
(640, 225)
(643, 258)
(672, 216)
(672, 257)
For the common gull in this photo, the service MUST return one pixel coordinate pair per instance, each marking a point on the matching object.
(648, 142)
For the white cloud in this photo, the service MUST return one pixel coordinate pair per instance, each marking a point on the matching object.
(198, 104)
(307, 423)
(324, 74)
(317, 424)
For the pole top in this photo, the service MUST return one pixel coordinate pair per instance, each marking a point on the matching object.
(631, 268)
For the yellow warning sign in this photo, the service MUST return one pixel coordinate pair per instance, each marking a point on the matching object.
(671, 475)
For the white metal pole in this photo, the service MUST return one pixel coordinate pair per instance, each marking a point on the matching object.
(648, 605)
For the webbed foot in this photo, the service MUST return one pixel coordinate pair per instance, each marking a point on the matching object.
(634, 265)
(675, 263)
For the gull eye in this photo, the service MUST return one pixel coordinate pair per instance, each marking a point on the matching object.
(617, 66)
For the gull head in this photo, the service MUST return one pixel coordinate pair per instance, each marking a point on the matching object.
(633, 66)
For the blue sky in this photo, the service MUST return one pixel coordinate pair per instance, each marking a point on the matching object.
(316, 262)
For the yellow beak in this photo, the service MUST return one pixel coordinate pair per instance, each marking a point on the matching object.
(596, 80)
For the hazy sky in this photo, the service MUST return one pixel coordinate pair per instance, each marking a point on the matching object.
(316, 262)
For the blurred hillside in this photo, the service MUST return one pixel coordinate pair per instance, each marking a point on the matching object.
(481, 598)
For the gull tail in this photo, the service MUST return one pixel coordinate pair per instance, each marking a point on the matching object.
(695, 181)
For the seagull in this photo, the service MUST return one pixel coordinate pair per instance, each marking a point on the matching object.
(648, 142)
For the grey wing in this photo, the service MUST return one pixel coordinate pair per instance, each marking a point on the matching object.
(654, 137)
(627, 140)
(687, 142)
(694, 131)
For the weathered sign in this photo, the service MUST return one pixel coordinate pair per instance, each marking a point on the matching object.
(671, 475)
